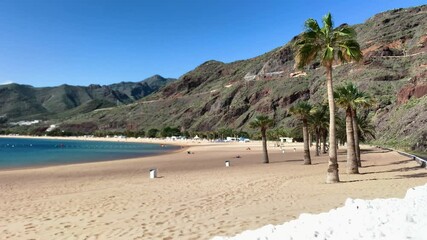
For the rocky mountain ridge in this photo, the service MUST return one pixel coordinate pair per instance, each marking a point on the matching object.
(27, 102)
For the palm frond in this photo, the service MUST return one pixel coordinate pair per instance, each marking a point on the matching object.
(352, 50)
(365, 127)
(305, 54)
(311, 37)
(262, 122)
(327, 22)
(342, 57)
(301, 110)
(319, 117)
(345, 32)
(328, 42)
(346, 95)
(311, 25)
(328, 54)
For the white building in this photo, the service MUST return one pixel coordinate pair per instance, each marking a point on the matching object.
(286, 139)
(51, 128)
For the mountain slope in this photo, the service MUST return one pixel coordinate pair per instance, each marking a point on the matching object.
(27, 102)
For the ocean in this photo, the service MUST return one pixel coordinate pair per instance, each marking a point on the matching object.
(26, 152)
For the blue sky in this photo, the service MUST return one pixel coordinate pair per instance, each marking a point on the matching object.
(79, 42)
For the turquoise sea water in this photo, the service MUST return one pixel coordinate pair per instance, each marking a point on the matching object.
(20, 152)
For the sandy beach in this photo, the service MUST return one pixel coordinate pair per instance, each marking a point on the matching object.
(194, 197)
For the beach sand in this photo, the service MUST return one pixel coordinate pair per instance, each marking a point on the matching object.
(194, 197)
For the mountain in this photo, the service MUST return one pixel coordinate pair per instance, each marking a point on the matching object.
(216, 95)
(27, 102)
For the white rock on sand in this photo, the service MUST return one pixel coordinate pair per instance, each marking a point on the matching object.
(391, 218)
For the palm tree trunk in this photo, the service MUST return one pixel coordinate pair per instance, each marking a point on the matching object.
(307, 158)
(317, 142)
(324, 140)
(352, 166)
(332, 173)
(310, 139)
(356, 138)
(264, 146)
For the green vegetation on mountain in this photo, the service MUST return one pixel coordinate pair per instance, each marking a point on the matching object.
(23, 102)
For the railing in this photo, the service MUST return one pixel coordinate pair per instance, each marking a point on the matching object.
(419, 160)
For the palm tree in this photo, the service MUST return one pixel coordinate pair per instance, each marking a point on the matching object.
(332, 44)
(313, 131)
(302, 111)
(348, 97)
(341, 131)
(365, 101)
(365, 128)
(263, 123)
(319, 123)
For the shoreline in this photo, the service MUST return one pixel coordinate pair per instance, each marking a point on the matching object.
(195, 195)
(5, 169)
(187, 142)
(101, 139)
(134, 140)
